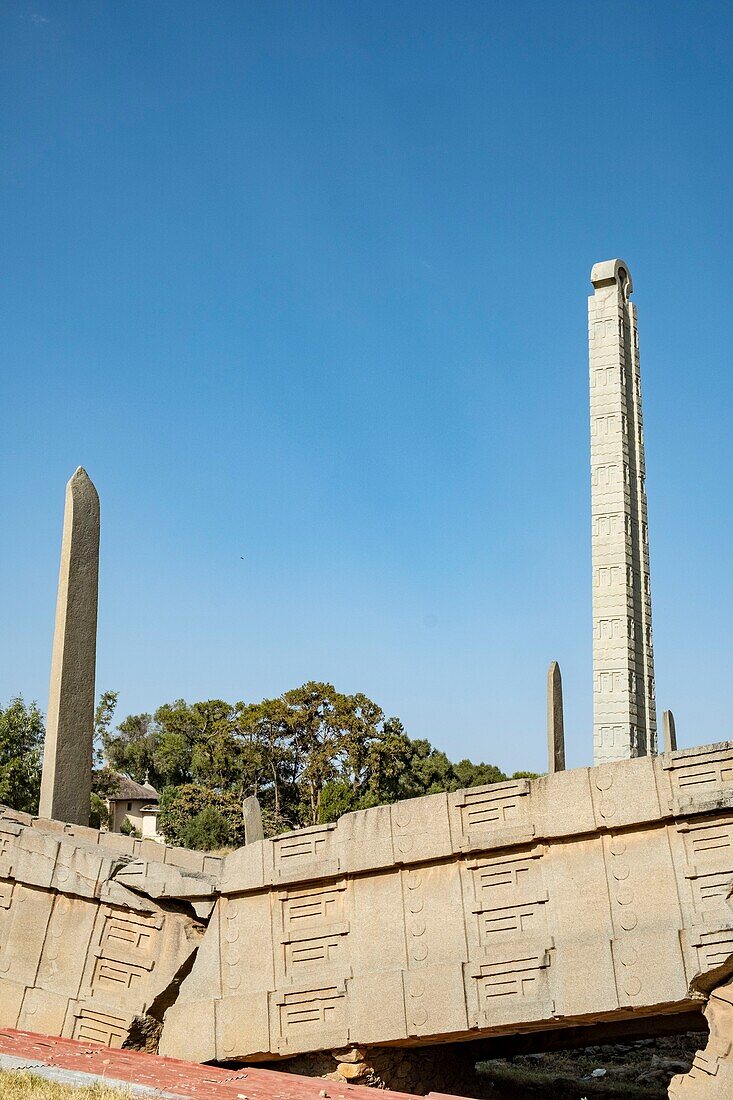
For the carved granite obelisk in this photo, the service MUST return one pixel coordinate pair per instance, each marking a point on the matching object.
(624, 711)
(555, 721)
(67, 758)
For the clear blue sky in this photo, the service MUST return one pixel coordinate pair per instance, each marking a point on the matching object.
(305, 284)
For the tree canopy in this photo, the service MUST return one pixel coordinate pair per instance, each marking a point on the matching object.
(309, 755)
(21, 745)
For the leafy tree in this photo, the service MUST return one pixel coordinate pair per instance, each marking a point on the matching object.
(195, 743)
(181, 743)
(180, 805)
(128, 829)
(309, 756)
(361, 720)
(129, 749)
(265, 732)
(272, 823)
(314, 726)
(103, 715)
(337, 799)
(104, 780)
(429, 772)
(477, 775)
(207, 831)
(98, 814)
(338, 740)
(21, 745)
(388, 765)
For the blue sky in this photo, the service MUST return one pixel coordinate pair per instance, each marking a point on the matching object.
(303, 286)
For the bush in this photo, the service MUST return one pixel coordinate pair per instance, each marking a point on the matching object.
(180, 806)
(128, 829)
(337, 798)
(99, 814)
(207, 831)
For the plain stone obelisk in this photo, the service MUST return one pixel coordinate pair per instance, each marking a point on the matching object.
(624, 711)
(669, 732)
(66, 784)
(555, 720)
(252, 813)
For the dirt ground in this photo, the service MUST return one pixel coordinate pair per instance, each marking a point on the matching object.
(637, 1070)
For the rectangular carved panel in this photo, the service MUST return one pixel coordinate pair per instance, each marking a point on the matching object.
(505, 880)
(100, 1027)
(303, 853)
(495, 812)
(708, 846)
(711, 886)
(705, 841)
(312, 907)
(135, 934)
(697, 776)
(9, 832)
(6, 894)
(495, 805)
(304, 1013)
(511, 920)
(314, 931)
(113, 978)
(320, 951)
(512, 985)
(119, 968)
(513, 978)
(713, 947)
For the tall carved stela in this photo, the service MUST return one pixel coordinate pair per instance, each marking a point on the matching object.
(66, 783)
(624, 712)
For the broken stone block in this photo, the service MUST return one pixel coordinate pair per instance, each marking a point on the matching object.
(352, 1070)
(350, 1054)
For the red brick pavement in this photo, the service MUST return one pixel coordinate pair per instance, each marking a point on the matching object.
(188, 1080)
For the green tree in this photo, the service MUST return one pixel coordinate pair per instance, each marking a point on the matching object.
(104, 780)
(196, 743)
(128, 829)
(331, 737)
(337, 799)
(103, 715)
(180, 805)
(21, 745)
(429, 771)
(207, 831)
(477, 775)
(384, 776)
(313, 729)
(265, 733)
(129, 749)
(98, 813)
(181, 743)
(309, 755)
(389, 759)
